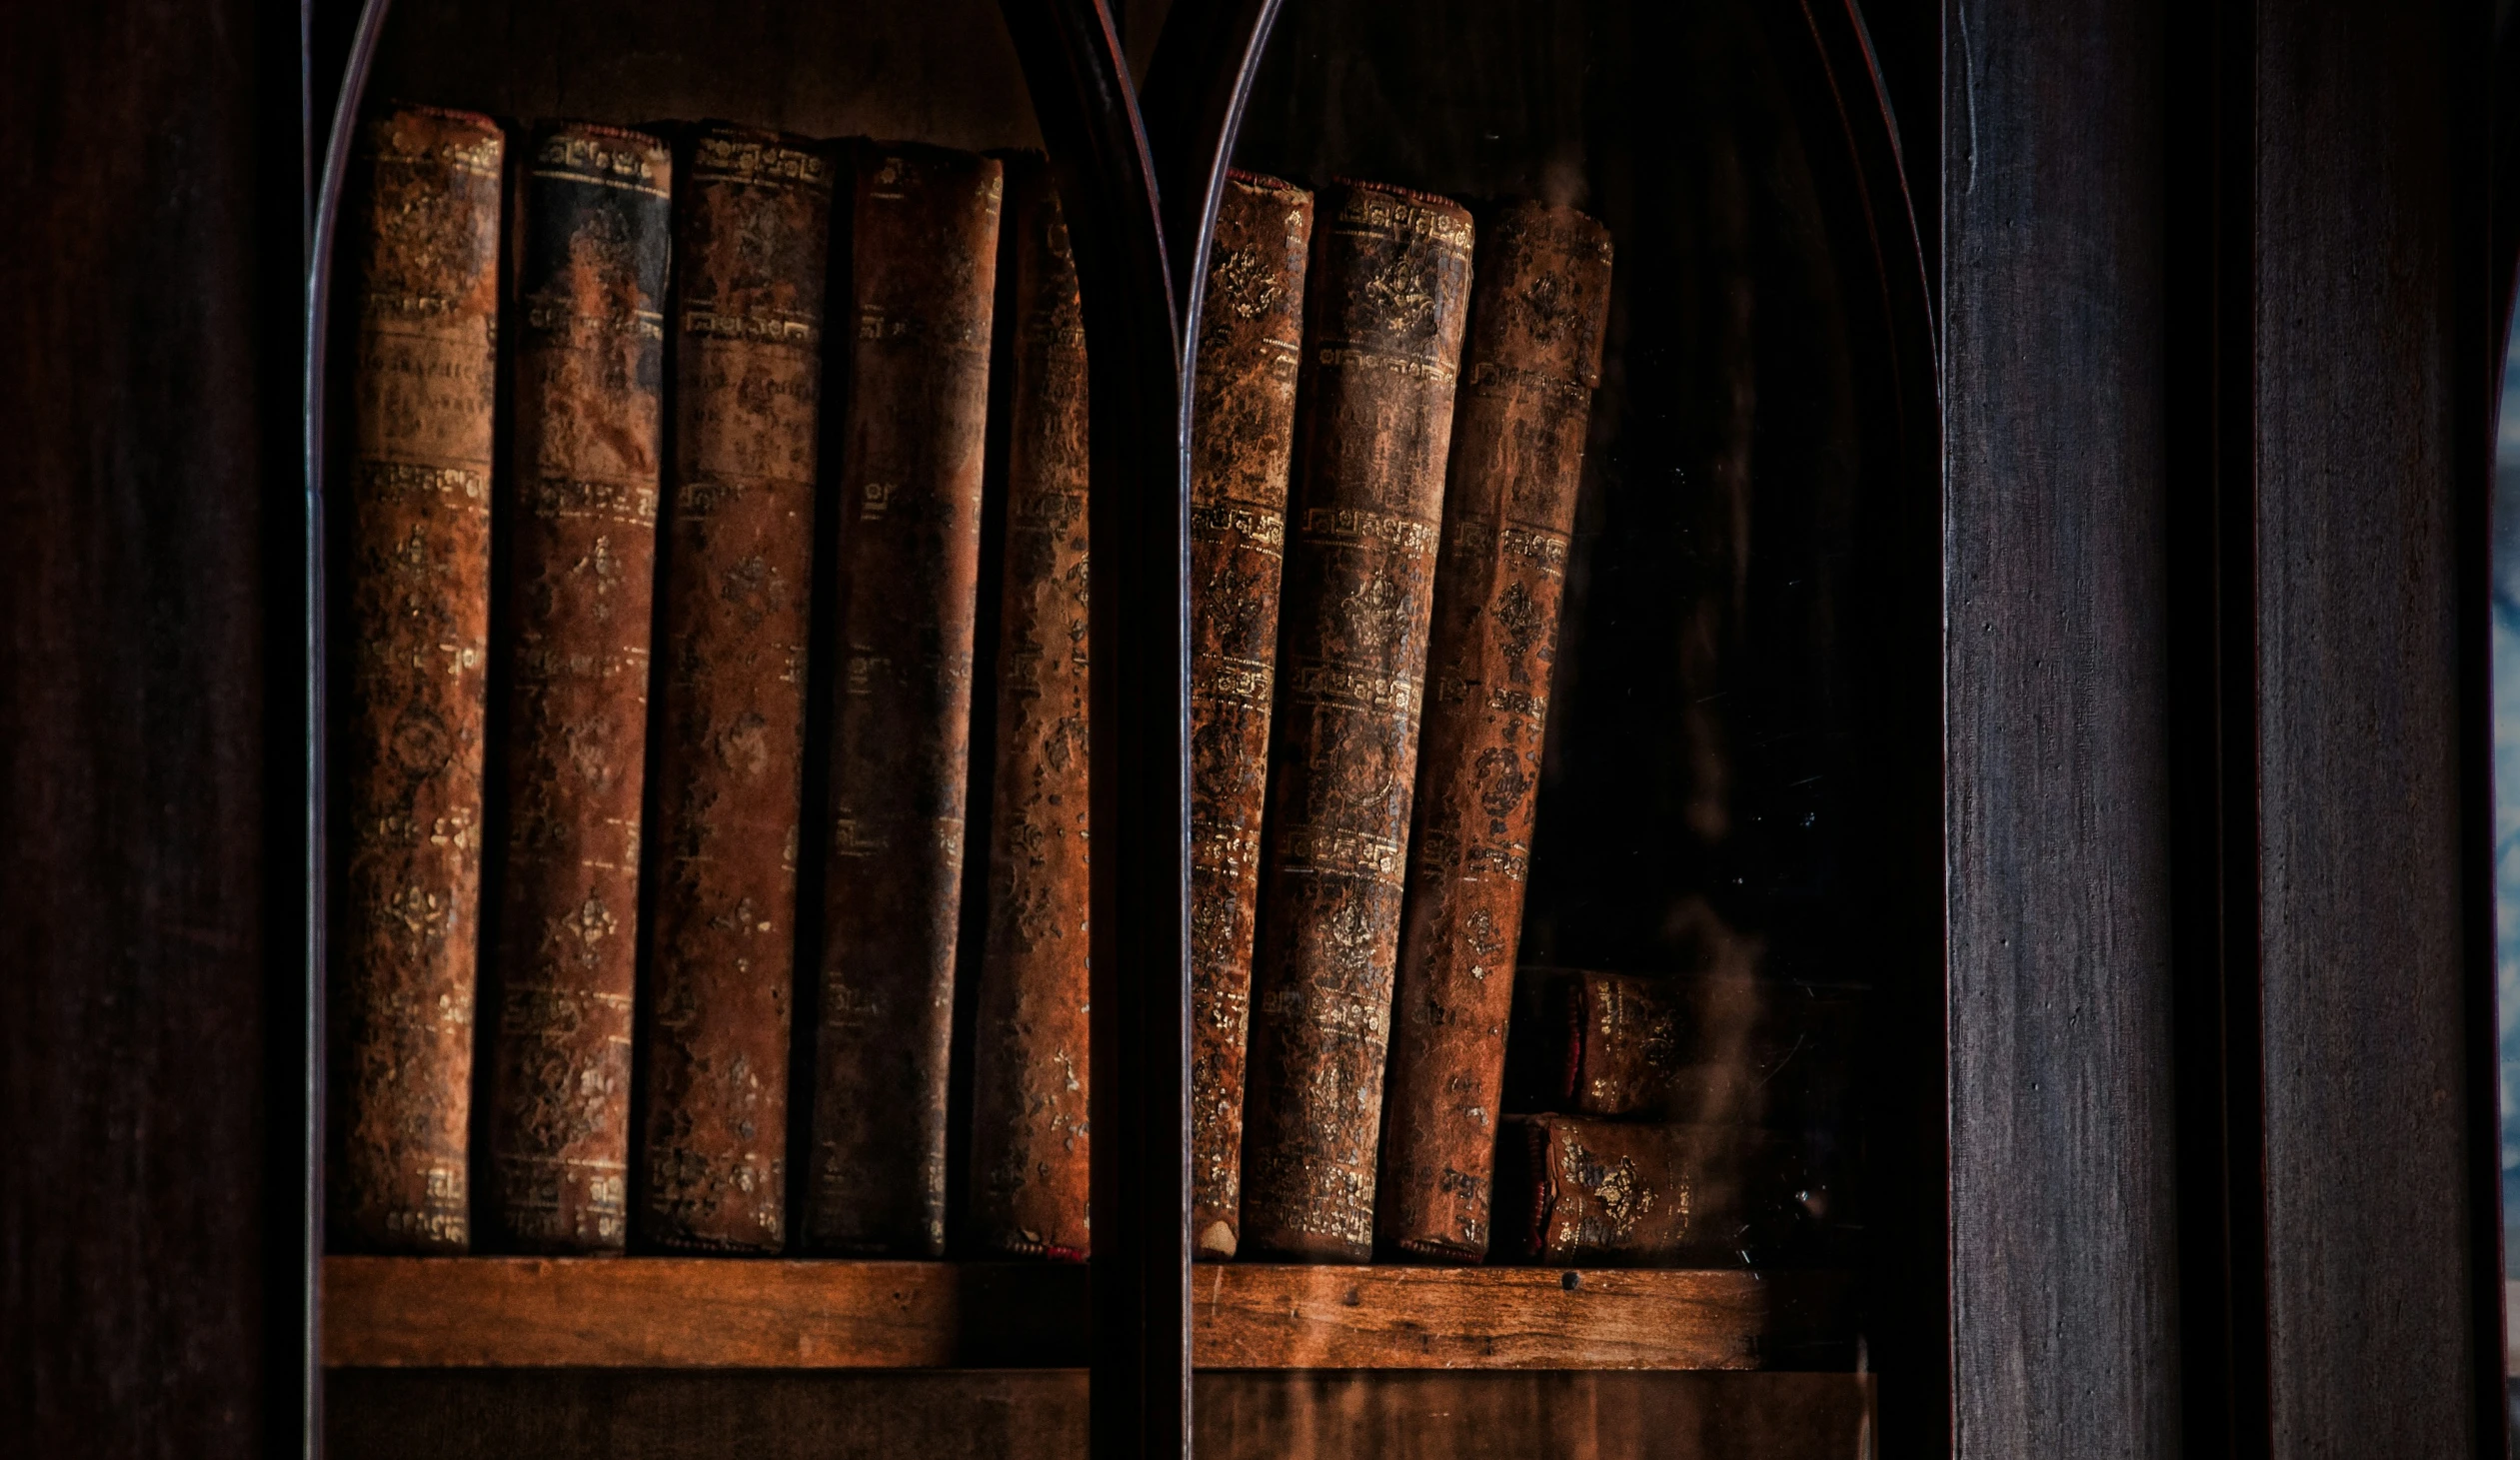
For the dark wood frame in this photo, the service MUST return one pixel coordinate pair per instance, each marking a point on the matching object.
(2218, 297)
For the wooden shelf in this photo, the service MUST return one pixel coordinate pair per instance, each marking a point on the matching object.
(713, 1313)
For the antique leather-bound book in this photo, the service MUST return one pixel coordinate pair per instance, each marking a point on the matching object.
(924, 247)
(416, 631)
(1528, 374)
(1028, 1180)
(1390, 287)
(1687, 1047)
(1574, 1190)
(752, 246)
(589, 401)
(1250, 339)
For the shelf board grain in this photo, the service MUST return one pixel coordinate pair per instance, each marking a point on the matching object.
(676, 1314)
(1254, 1317)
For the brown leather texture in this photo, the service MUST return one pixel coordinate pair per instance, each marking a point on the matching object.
(1697, 1049)
(1572, 1190)
(1528, 374)
(751, 248)
(1391, 284)
(924, 244)
(590, 375)
(1251, 343)
(422, 388)
(1029, 1172)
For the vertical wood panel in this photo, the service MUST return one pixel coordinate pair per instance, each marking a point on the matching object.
(2063, 1225)
(136, 264)
(2367, 263)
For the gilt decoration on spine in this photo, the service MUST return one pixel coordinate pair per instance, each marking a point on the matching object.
(580, 592)
(923, 246)
(1518, 426)
(1029, 1167)
(1250, 340)
(751, 253)
(1388, 291)
(1571, 1190)
(422, 392)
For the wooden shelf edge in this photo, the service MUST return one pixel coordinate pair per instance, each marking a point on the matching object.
(674, 1312)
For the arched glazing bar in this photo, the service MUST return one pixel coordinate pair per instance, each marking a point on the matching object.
(1140, 189)
(1139, 521)
(334, 67)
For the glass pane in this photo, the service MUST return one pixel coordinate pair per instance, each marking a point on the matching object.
(771, 543)
(707, 562)
(1563, 903)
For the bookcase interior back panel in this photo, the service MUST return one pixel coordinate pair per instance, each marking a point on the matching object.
(941, 72)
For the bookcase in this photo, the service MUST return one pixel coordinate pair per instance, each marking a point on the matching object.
(2026, 571)
(1757, 504)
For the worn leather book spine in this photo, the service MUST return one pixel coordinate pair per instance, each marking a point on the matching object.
(1030, 1182)
(1690, 1048)
(752, 246)
(1390, 288)
(589, 373)
(417, 599)
(1250, 342)
(1528, 374)
(924, 244)
(1575, 1192)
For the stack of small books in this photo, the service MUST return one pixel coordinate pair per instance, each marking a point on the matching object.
(677, 652)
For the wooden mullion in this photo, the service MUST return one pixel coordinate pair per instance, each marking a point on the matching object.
(1139, 710)
(2064, 1234)
(2367, 417)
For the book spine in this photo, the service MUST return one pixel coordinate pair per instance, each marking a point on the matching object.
(1250, 342)
(923, 248)
(750, 252)
(1574, 1191)
(1626, 1039)
(1695, 1049)
(1390, 288)
(1029, 1126)
(1528, 374)
(421, 395)
(589, 367)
